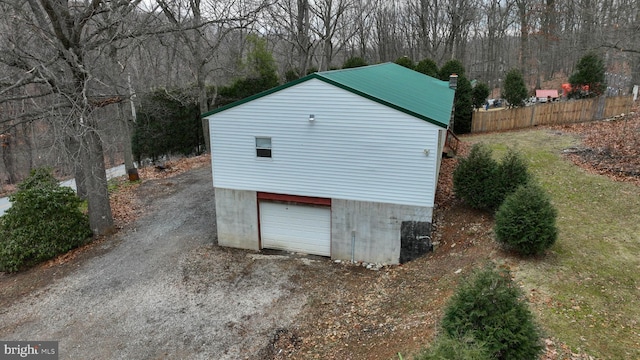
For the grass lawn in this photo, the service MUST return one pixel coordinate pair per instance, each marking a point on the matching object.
(586, 290)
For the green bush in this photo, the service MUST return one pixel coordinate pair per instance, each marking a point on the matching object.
(463, 105)
(168, 122)
(479, 94)
(291, 75)
(588, 80)
(483, 183)
(474, 179)
(488, 308)
(354, 62)
(512, 173)
(463, 102)
(43, 222)
(406, 62)
(243, 88)
(427, 67)
(454, 348)
(526, 221)
(515, 90)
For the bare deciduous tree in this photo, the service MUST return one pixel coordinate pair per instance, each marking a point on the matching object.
(54, 62)
(201, 26)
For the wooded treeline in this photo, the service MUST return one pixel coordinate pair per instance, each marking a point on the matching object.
(72, 72)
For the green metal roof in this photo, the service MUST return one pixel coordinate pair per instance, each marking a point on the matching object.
(389, 84)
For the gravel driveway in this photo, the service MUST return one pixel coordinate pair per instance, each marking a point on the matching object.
(162, 288)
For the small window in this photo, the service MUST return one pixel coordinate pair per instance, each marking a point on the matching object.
(263, 147)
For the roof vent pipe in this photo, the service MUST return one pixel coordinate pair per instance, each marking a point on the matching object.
(453, 81)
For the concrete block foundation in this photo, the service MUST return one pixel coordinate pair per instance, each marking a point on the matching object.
(360, 231)
(371, 232)
(237, 218)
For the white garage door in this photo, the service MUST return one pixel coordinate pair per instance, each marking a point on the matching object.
(299, 228)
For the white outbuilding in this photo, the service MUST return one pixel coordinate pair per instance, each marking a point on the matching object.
(339, 163)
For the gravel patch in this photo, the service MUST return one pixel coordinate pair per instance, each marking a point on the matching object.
(162, 288)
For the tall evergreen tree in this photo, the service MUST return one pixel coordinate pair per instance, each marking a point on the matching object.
(588, 79)
(463, 104)
(406, 62)
(427, 67)
(479, 94)
(514, 89)
(451, 67)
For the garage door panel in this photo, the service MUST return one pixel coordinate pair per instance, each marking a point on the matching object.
(297, 228)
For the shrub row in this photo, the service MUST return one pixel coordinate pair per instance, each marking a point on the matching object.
(484, 183)
(487, 317)
(525, 217)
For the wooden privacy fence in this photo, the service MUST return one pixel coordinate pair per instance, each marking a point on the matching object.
(553, 113)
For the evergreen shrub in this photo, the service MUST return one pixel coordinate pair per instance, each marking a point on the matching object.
(515, 89)
(354, 62)
(512, 173)
(406, 62)
(168, 122)
(43, 222)
(526, 221)
(489, 308)
(484, 183)
(479, 94)
(474, 177)
(427, 67)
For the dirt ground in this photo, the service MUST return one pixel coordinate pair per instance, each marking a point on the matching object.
(162, 288)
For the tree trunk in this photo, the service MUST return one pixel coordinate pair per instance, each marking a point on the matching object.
(586, 30)
(302, 27)
(74, 151)
(100, 218)
(635, 56)
(129, 166)
(28, 142)
(523, 17)
(550, 39)
(200, 63)
(203, 102)
(6, 141)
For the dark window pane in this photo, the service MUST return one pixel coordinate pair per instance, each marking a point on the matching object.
(263, 153)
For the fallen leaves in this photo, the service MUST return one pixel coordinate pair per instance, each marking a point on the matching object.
(175, 167)
(610, 147)
(444, 193)
(126, 207)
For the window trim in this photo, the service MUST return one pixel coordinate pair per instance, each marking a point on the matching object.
(263, 148)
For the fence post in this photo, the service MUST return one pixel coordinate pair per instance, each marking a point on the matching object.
(533, 115)
(600, 108)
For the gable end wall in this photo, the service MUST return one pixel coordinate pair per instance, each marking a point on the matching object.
(355, 149)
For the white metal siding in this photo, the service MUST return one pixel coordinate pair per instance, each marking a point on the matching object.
(356, 149)
(298, 228)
